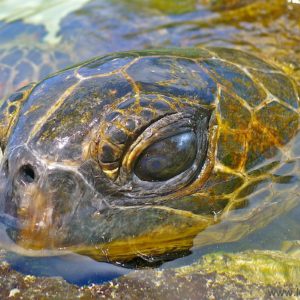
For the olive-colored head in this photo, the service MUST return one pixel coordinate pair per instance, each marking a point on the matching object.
(138, 152)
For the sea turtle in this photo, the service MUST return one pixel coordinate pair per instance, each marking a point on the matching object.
(137, 153)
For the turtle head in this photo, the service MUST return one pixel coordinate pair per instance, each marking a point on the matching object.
(137, 153)
(71, 202)
(92, 160)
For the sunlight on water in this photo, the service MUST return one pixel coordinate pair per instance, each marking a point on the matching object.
(47, 13)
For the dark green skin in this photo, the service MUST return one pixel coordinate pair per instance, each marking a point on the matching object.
(67, 164)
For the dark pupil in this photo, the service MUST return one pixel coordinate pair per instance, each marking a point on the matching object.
(167, 158)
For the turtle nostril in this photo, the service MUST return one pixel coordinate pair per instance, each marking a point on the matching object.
(27, 174)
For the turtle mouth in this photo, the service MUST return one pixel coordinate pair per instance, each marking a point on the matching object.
(10, 228)
(26, 219)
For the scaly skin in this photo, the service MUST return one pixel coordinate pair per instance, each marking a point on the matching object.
(75, 140)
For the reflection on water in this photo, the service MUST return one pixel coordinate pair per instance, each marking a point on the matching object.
(284, 228)
(40, 37)
(163, 6)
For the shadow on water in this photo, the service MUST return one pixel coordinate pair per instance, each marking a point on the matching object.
(75, 269)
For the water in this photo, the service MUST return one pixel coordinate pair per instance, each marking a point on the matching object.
(64, 33)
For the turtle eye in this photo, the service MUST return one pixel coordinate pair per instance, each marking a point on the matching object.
(167, 158)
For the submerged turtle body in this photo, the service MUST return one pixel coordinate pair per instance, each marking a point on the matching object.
(137, 153)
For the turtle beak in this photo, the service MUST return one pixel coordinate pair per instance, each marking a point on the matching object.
(46, 205)
(42, 200)
(35, 212)
(27, 212)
